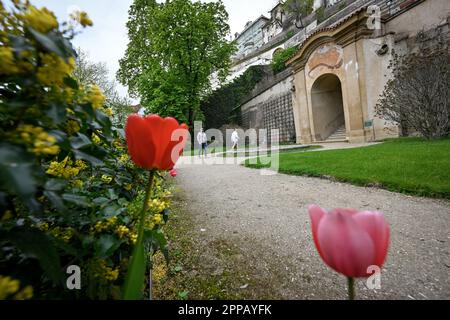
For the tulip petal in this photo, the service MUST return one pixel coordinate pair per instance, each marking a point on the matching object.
(346, 247)
(140, 142)
(149, 141)
(374, 223)
(316, 214)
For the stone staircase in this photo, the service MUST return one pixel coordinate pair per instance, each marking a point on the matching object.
(339, 135)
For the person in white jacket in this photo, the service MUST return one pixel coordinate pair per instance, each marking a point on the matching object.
(234, 139)
(202, 140)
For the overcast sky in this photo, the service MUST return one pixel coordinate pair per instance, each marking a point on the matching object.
(106, 41)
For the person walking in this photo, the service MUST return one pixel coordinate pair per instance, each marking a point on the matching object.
(202, 140)
(234, 140)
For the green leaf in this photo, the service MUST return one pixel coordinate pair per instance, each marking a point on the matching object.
(84, 156)
(134, 281)
(57, 113)
(55, 184)
(106, 245)
(111, 211)
(80, 141)
(56, 200)
(157, 241)
(54, 42)
(100, 201)
(38, 245)
(78, 200)
(16, 170)
(71, 82)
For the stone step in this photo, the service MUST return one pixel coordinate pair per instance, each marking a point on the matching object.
(339, 135)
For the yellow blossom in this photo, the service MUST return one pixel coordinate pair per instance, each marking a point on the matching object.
(108, 111)
(8, 66)
(82, 17)
(6, 216)
(106, 178)
(95, 97)
(122, 231)
(133, 237)
(41, 20)
(38, 141)
(157, 218)
(124, 158)
(8, 286)
(64, 169)
(78, 184)
(72, 127)
(95, 138)
(43, 226)
(24, 294)
(128, 187)
(54, 69)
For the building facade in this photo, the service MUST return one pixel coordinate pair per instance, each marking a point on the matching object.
(340, 71)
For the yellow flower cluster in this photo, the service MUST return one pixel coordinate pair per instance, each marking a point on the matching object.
(54, 69)
(104, 225)
(78, 183)
(95, 96)
(106, 272)
(64, 169)
(42, 20)
(106, 178)
(95, 138)
(6, 215)
(10, 287)
(118, 143)
(153, 221)
(39, 141)
(43, 226)
(128, 187)
(72, 127)
(82, 18)
(133, 237)
(108, 111)
(124, 158)
(157, 205)
(122, 231)
(7, 61)
(63, 234)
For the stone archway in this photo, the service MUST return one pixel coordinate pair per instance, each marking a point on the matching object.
(327, 106)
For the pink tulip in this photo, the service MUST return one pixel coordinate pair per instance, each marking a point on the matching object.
(350, 241)
(173, 173)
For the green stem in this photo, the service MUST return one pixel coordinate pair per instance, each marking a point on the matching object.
(148, 194)
(351, 288)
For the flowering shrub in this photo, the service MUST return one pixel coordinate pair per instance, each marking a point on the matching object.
(69, 194)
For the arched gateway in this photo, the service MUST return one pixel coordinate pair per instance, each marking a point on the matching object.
(338, 77)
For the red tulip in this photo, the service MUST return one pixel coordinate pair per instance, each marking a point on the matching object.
(350, 241)
(155, 142)
(173, 173)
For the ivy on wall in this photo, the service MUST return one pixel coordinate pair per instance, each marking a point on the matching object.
(281, 57)
(218, 107)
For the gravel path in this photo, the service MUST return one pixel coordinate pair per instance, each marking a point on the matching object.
(266, 217)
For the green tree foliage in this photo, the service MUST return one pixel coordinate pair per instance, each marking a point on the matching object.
(88, 73)
(281, 57)
(300, 9)
(219, 105)
(174, 48)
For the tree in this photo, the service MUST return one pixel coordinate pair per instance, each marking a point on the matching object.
(417, 97)
(173, 49)
(300, 9)
(87, 73)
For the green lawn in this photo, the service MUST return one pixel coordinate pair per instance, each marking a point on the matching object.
(408, 165)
